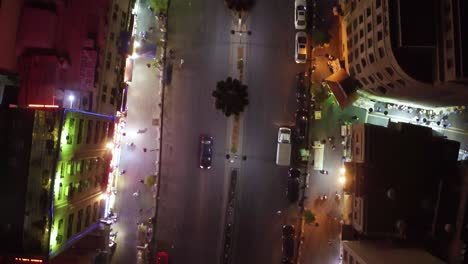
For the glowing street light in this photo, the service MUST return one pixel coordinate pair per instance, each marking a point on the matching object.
(103, 196)
(342, 170)
(136, 44)
(110, 145)
(71, 98)
(342, 180)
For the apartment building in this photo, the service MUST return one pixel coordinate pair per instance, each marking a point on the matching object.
(73, 58)
(380, 252)
(55, 167)
(112, 56)
(408, 50)
(396, 174)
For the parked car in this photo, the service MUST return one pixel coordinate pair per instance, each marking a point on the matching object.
(294, 173)
(302, 123)
(301, 47)
(162, 258)
(300, 14)
(288, 242)
(206, 151)
(301, 88)
(292, 192)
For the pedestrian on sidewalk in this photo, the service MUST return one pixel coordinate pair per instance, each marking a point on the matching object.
(181, 63)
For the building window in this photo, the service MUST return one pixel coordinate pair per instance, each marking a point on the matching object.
(390, 71)
(70, 225)
(382, 89)
(60, 192)
(348, 29)
(96, 132)
(80, 131)
(355, 38)
(371, 58)
(88, 215)
(351, 72)
(449, 43)
(70, 190)
(362, 48)
(363, 62)
(369, 27)
(378, 3)
(89, 131)
(361, 33)
(350, 57)
(361, 19)
(401, 82)
(103, 98)
(371, 79)
(390, 85)
(114, 16)
(62, 169)
(381, 52)
(355, 24)
(95, 211)
(380, 75)
(364, 80)
(105, 126)
(358, 68)
(78, 222)
(379, 19)
(369, 42)
(379, 35)
(356, 53)
(449, 63)
(368, 12)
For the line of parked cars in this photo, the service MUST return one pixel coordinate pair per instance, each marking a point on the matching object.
(288, 244)
(300, 23)
(302, 112)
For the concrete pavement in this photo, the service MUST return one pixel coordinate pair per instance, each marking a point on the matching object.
(143, 131)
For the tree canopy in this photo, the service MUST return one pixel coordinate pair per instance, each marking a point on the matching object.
(231, 96)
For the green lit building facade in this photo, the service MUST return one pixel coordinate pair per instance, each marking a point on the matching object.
(55, 165)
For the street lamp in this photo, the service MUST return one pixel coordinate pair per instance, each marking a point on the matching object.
(71, 98)
(342, 180)
(342, 170)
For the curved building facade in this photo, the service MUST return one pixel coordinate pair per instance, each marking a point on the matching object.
(409, 50)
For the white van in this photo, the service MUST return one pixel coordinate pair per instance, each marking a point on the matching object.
(319, 150)
(283, 151)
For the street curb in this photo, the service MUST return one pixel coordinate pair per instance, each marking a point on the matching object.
(154, 246)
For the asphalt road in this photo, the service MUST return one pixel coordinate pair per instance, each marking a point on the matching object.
(262, 185)
(189, 226)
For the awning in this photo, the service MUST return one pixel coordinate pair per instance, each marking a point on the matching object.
(342, 87)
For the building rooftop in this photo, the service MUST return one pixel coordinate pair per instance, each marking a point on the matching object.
(377, 252)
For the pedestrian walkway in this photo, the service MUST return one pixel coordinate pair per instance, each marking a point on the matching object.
(135, 201)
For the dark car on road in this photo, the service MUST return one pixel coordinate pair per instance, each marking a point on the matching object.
(292, 191)
(302, 123)
(206, 152)
(288, 242)
(294, 173)
(301, 88)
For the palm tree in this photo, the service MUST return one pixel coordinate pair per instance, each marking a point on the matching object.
(231, 96)
(240, 5)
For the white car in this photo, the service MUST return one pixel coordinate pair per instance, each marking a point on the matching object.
(301, 47)
(300, 20)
